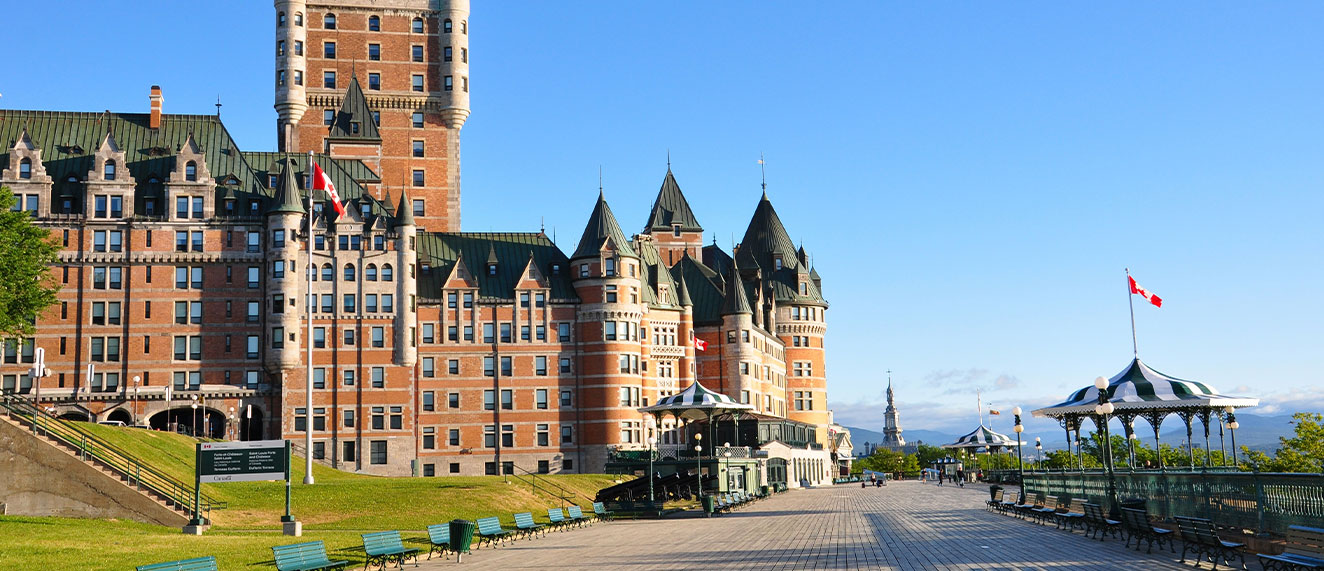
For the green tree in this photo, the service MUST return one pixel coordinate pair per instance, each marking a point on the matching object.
(927, 455)
(26, 254)
(1303, 452)
(910, 467)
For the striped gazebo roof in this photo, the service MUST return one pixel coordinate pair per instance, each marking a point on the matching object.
(695, 402)
(982, 437)
(1139, 388)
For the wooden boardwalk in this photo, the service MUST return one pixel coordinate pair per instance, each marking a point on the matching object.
(905, 525)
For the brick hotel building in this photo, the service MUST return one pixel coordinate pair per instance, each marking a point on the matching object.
(434, 351)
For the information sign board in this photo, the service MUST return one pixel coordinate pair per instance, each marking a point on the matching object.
(249, 461)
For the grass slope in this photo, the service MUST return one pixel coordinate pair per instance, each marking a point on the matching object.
(336, 509)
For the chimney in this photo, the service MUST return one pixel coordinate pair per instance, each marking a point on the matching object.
(157, 99)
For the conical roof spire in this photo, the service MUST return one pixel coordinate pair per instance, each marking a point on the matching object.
(288, 198)
(404, 213)
(354, 120)
(766, 238)
(683, 292)
(671, 208)
(602, 226)
(736, 301)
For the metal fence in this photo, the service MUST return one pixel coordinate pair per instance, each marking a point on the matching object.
(1264, 502)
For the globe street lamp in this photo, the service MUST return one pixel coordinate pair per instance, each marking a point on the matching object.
(1102, 410)
(727, 470)
(1039, 452)
(652, 451)
(1232, 430)
(136, 381)
(1018, 428)
(194, 414)
(698, 464)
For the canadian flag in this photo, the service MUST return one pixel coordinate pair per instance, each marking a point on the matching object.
(1135, 288)
(323, 182)
(700, 344)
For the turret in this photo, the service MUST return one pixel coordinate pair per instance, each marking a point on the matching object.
(406, 334)
(285, 258)
(453, 35)
(291, 69)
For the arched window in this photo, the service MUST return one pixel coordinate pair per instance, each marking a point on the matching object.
(370, 273)
(418, 26)
(374, 24)
(328, 273)
(349, 272)
(446, 26)
(298, 19)
(280, 19)
(25, 168)
(191, 172)
(329, 22)
(387, 273)
(109, 172)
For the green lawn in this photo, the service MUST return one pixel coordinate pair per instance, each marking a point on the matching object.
(336, 510)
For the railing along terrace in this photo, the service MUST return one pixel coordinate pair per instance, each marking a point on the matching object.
(1264, 502)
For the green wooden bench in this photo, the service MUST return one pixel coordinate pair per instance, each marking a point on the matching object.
(1304, 549)
(576, 515)
(304, 557)
(1098, 524)
(524, 524)
(1071, 515)
(439, 538)
(490, 530)
(1137, 526)
(384, 547)
(1201, 539)
(557, 518)
(600, 509)
(1047, 510)
(207, 563)
(994, 500)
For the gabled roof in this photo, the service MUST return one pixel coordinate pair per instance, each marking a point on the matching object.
(288, 197)
(354, 109)
(511, 250)
(339, 170)
(704, 287)
(655, 274)
(601, 228)
(671, 209)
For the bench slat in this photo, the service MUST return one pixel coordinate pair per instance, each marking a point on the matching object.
(207, 563)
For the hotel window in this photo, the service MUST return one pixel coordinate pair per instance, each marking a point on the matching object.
(417, 26)
(416, 83)
(349, 418)
(505, 333)
(507, 399)
(378, 418)
(448, 83)
(540, 399)
(489, 399)
(429, 440)
(418, 148)
(374, 82)
(508, 441)
(567, 435)
(319, 377)
(329, 22)
(506, 368)
(429, 333)
(452, 333)
(349, 303)
(453, 437)
(446, 26)
(374, 24)
(319, 337)
(464, 55)
(429, 368)
(416, 120)
(418, 207)
(329, 50)
(328, 118)
(329, 79)
(464, 83)
(453, 400)
(418, 177)
(416, 53)
(298, 47)
(802, 368)
(378, 337)
(378, 452)
(453, 366)
(397, 418)
(349, 377)
(109, 171)
(565, 364)
(563, 332)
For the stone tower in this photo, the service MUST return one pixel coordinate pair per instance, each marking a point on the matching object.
(892, 423)
(412, 59)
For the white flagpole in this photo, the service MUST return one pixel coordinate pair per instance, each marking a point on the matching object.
(308, 337)
(1130, 302)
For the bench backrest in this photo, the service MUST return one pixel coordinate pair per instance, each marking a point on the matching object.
(1016, 497)
(1307, 541)
(207, 563)
(599, 508)
(1093, 513)
(575, 512)
(439, 534)
(524, 520)
(1077, 505)
(997, 495)
(1135, 519)
(554, 515)
(382, 542)
(299, 555)
(1050, 502)
(1197, 530)
(489, 525)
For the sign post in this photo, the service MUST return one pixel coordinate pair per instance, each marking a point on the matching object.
(246, 461)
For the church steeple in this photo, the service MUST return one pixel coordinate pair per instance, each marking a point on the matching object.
(892, 421)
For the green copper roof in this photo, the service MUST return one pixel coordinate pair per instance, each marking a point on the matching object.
(68, 141)
(768, 247)
(736, 301)
(354, 120)
(601, 226)
(671, 208)
(339, 170)
(440, 251)
(288, 197)
(683, 292)
(404, 213)
(704, 287)
(655, 275)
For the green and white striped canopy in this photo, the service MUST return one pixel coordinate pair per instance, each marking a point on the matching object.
(982, 437)
(695, 402)
(1139, 388)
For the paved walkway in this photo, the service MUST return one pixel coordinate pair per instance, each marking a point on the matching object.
(905, 525)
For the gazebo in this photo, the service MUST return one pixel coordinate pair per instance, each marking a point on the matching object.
(983, 437)
(696, 403)
(1139, 391)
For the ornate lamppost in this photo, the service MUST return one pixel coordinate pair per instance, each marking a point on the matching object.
(652, 451)
(194, 414)
(1232, 430)
(698, 464)
(136, 381)
(1039, 452)
(1102, 410)
(1018, 429)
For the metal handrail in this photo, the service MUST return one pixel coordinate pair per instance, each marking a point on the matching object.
(90, 447)
(564, 494)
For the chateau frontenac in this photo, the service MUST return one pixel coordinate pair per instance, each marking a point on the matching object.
(192, 288)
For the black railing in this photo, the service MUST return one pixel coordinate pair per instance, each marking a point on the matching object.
(91, 448)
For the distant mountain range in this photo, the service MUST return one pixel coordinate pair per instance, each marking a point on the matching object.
(1255, 431)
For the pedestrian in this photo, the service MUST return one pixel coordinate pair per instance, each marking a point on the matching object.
(939, 478)
(960, 477)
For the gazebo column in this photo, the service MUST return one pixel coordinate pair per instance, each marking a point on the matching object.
(1205, 420)
(1155, 419)
(1128, 426)
(1186, 417)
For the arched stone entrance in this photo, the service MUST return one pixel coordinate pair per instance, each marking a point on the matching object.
(179, 419)
(75, 416)
(251, 428)
(120, 415)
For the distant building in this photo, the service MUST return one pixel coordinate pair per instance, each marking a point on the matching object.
(892, 439)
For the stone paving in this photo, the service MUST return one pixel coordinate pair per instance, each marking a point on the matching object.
(904, 525)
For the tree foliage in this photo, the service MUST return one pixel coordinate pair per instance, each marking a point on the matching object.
(26, 255)
(1303, 452)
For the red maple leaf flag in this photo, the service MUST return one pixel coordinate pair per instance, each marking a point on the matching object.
(700, 344)
(323, 182)
(1136, 289)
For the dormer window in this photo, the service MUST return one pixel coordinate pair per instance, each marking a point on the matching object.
(191, 172)
(491, 269)
(365, 208)
(229, 207)
(25, 169)
(272, 180)
(109, 172)
(556, 269)
(353, 127)
(675, 230)
(776, 262)
(804, 288)
(609, 267)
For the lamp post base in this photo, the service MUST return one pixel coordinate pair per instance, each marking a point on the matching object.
(292, 528)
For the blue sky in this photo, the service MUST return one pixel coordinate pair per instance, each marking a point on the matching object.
(971, 179)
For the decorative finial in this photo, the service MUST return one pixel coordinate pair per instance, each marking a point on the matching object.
(218, 105)
(764, 171)
(599, 181)
(668, 160)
